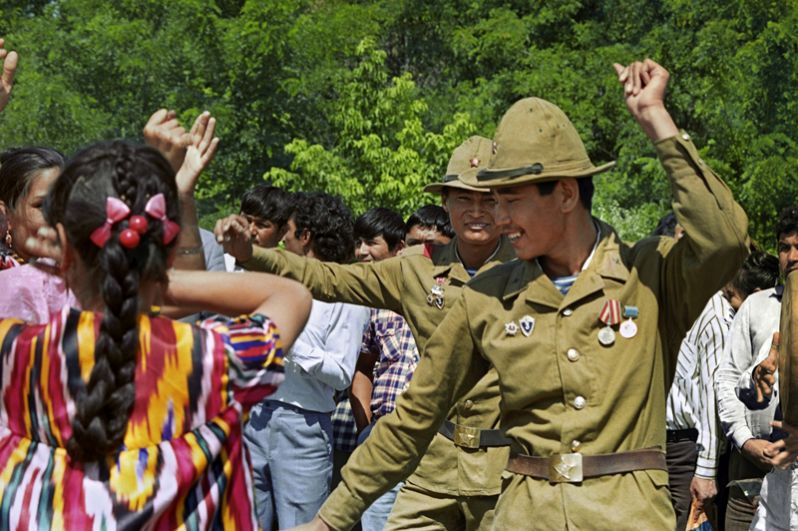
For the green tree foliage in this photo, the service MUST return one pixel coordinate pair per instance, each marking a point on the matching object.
(367, 99)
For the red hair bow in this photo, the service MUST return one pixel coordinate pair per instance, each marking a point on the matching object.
(156, 207)
(115, 211)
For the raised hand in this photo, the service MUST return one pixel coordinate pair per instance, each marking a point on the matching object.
(644, 84)
(10, 60)
(233, 233)
(164, 133)
(765, 373)
(198, 154)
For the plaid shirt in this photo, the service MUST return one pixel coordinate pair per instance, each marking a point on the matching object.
(389, 339)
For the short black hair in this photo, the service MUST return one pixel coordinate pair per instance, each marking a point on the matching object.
(329, 223)
(788, 221)
(759, 271)
(267, 202)
(586, 190)
(432, 217)
(381, 222)
(666, 225)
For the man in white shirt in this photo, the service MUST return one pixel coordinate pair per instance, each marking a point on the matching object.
(289, 435)
(750, 430)
(694, 437)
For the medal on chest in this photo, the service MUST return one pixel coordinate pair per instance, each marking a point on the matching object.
(610, 315)
(629, 328)
(435, 297)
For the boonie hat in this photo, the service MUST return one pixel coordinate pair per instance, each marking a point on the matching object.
(535, 142)
(469, 157)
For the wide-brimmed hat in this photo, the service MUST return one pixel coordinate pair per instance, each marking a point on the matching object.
(535, 142)
(470, 157)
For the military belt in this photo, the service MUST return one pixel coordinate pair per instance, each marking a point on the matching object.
(468, 437)
(574, 467)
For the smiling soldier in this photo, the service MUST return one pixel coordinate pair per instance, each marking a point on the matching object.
(583, 330)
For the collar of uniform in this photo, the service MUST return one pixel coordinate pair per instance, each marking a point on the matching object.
(447, 263)
(541, 290)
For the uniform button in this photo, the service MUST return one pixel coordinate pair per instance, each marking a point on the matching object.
(580, 402)
(572, 354)
(567, 312)
(685, 136)
(575, 445)
(468, 404)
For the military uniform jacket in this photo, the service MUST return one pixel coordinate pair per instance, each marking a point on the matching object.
(561, 390)
(402, 284)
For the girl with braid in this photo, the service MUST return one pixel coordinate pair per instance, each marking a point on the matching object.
(113, 417)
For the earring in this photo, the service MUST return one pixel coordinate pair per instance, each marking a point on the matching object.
(9, 240)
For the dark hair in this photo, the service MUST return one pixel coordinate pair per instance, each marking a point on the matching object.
(381, 222)
(329, 223)
(77, 200)
(18, 167)
(759, 271)
(267, 202)
(666, 226)
(432, 217)
(788, 221)
(586, 190)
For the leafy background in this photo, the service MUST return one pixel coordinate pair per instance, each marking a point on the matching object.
(368, 99)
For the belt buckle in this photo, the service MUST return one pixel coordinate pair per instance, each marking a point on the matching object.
(466, 436)
(565, 468)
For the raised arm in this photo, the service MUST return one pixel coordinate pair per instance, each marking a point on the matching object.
(10, 61)
(716, 227)
(190, 153)
(284, 301)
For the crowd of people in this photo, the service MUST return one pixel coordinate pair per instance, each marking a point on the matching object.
(502, 360)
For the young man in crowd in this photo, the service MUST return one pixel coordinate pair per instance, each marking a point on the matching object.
(694, 437)
(289, 435)
(750, 430)
(457, 482)
(428, 224)
(264, 212)
(582, 330)
(388, 355)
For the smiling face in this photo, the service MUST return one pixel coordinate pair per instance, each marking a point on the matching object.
(472, 216)
(27, 217)
(533, 223)
(373, 250)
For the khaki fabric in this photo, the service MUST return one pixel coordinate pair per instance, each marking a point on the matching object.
(418, 509)
(402, 284)
(599, 399)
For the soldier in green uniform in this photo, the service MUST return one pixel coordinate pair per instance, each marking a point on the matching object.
(583, 330)
(457, 482)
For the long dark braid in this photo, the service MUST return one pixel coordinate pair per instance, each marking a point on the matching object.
(133, 174)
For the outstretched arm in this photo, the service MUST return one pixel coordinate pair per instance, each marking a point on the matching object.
(10, 60)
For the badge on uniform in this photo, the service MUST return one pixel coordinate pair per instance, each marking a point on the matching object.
(629, 328)
(510, 329)
(435, 297)
(610, 315)
(527, 324)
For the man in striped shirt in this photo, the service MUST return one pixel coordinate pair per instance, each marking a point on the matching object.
(694, 435)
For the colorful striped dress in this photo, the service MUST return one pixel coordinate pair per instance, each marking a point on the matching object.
(183, 464)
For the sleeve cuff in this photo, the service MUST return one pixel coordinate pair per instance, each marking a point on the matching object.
(706, 468)
(741, 435)
(343, 509)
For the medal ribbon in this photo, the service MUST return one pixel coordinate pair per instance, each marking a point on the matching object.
(610, 313)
